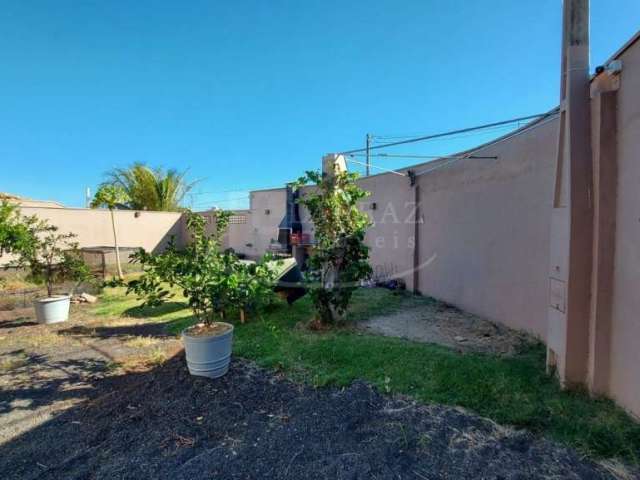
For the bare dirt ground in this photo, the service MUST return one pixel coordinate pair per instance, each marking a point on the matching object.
(45, 370)
(431, 321)
(96, 399)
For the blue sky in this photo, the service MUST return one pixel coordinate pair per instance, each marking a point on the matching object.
(249, 94)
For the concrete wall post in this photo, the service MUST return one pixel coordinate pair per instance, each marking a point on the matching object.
(572, 216)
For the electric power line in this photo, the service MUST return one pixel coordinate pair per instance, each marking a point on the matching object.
(400, 155)
(453, 132)
(519, 132)
(388, 170)
(380, 138)
(239, 190)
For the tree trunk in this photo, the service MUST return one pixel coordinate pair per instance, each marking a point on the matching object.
(49, 281)
(115, 243)
(329, 314)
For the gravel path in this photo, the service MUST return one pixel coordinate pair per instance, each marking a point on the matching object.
(254, 424)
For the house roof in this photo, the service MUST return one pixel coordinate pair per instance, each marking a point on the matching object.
(29, 202)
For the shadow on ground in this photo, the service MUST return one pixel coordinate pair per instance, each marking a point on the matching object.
(38, 380)
(152, 329)
(253, 423)
(152, 312)
(18, 322)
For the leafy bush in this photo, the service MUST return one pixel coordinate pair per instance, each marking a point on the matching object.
(339, 261)
(214, 282)
(15, 232)
(50, 256)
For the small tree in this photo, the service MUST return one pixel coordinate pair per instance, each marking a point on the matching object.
(57, 259)
(50, 256)
(110, 196)
(214, 282)
(339, 260)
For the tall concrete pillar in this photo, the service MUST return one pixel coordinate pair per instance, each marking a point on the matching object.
(572, 215)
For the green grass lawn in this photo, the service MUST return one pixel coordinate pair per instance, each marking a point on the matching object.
(510, 390)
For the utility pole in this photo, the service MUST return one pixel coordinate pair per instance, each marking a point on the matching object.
(572, 213)
(368, 162)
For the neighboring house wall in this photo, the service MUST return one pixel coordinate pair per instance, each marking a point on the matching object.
(390, 207)
(237, 235)
(267, 210)
(150, 230)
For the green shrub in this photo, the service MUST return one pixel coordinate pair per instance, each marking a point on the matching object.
(50, 257)
(214, 282)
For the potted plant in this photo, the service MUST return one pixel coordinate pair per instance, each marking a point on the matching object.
(206, 277)
(50, 257)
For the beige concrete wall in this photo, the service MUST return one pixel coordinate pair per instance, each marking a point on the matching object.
(237, 235)
(483, 234)
(390, 206)
(267, 210)
(150, 230)
(486, 230)
(624, 380)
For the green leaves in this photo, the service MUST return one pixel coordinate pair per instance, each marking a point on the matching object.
(214, 282)
(150, 188)
(109, 196)
(15, 233)
(340, 258)
(50, 256)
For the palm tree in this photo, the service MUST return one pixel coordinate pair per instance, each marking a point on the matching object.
(111, 196)
(151, 189)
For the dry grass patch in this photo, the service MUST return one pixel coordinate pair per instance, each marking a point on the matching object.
(120, 322)
(15, 284)
(141, 342)
(87, 318)
(11, 363)
(143, 361)
(42, 338)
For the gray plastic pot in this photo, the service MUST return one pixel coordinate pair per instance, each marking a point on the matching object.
(208, 356)
(52, 309)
